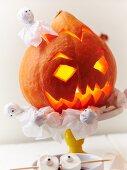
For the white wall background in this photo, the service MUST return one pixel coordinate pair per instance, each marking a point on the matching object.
(107, 16)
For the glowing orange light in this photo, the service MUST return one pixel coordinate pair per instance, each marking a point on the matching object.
(84, 30)
(61, 55)
(101, 65)
(71, 34)
(64, 72)
(84, 99)
(48, 37)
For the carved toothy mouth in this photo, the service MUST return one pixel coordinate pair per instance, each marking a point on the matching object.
(84, 99)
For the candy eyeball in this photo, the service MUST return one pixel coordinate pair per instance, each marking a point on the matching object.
(11, 109)
(70, 162)
(69, 158)
(87, 116)
(48, 163)
(25, 15)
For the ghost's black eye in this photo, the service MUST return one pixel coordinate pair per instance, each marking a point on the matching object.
(11, 115)
(29, 10)
(13, 110)
(26, 11)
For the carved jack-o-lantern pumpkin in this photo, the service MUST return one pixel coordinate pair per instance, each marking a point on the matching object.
(74, 70)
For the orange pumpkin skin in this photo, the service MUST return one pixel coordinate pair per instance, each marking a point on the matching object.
(74, 70)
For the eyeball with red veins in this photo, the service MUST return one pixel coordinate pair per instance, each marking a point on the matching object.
(88, 116)
(12, 109)
(70, 162)
(48, 163)
(26, 15)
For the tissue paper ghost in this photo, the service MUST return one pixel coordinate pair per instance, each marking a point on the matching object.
(33, 31)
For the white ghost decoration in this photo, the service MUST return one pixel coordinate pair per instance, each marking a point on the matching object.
(26, 16)
(33, 31)
(88, 116)
(38, 123)
(12, 110)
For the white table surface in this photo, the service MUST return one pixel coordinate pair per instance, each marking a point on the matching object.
(21, 155)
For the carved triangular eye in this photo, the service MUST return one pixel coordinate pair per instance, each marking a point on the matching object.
(101, 65)
(61, 55)
(64, 72)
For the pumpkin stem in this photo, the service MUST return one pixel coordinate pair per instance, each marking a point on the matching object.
(104, 37)
(75, 146)
(58, 13)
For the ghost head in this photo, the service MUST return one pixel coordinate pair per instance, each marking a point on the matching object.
(12, 109)
(26, 15)
(88, 116)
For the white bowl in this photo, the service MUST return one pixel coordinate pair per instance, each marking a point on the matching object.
(91, 166)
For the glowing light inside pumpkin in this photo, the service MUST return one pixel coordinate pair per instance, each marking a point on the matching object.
(101, 65)
(61, 55)
(64, 72)
(84, 99)
(48, 37)
(84, 30)
(71, 34)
